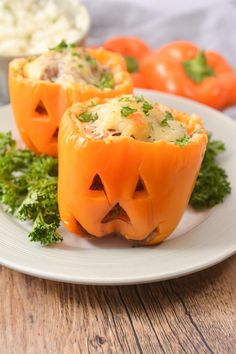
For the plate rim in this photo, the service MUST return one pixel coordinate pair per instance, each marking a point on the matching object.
(124, 281)
(77, 279)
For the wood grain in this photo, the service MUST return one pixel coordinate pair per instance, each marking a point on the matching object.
(194, 314)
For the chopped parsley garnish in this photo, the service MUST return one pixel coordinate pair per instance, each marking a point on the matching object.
(182, 141)
(28, 189)
(107, 80)
(63, 46)
(146, 107)
(198, 69)
(212, 184)
(7, 7)
(76, 54)
(127, 111)
(132, 64)
(166, 117)
(80, 66)
(90, 60)
(125, 99)
(88, 117)
(139, 99)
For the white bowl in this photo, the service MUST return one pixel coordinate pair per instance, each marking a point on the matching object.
(71, 8)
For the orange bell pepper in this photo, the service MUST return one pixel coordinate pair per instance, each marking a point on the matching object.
(39, 105)
(137, 188)
(134, 50)
(182, 69)
(138, 80)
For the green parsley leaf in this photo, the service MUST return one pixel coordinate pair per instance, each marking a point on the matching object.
(42, 228)
(146, 107)
(107, 80)
(214, 148)
(7, 7)
(166, 117)
(198, 69)
(132, 64)
(125, 99)
(63, 46)
(139, 99)
(88, 117)
(212, 184)
(6, 142)
(127, 111)
(90, 60)
(182, 141)
(76, 54)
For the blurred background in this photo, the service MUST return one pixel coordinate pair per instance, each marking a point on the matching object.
(208, 23)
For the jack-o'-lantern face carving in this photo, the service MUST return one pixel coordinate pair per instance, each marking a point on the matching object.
(126, 186)
(38, 105)
(38, 115)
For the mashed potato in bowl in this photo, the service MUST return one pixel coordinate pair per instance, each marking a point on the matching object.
(32, 26)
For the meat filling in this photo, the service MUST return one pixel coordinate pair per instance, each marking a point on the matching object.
(67, 67)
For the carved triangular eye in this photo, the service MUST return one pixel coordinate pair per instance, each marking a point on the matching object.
(117, 212)
(139, 186)
(140, 189)
(41, 109)
(97, 184)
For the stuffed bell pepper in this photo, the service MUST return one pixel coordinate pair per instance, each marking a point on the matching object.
(42, 87)
(127, 166)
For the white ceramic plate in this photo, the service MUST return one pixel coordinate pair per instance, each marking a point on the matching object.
(201, 239)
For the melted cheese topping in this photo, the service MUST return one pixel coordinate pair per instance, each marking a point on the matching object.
(66, 67)
(133, 117)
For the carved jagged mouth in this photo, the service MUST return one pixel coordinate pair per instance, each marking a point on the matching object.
(107, 218)
(31, 145)
(83, 231)
(116, 213)
(148, 238)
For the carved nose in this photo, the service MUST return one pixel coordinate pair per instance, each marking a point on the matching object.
(116, 213)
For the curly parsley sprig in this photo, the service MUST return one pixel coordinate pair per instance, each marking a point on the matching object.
(28, 189)
(212, 185)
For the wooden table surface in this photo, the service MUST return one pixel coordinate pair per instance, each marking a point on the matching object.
(193, 314)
